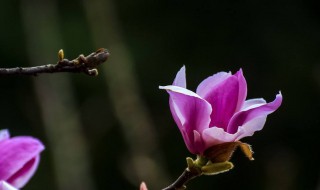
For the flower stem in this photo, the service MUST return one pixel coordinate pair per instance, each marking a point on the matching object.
(192, 171)
(180, 183)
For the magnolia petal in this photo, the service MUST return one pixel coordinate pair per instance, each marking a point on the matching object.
(19, 159)
(226, 93)
(6, 186)
(187, 138)
(251, 127)
(242, 89)
(253, 103)
(214, 135)
(180, 79)
(179, 89)
(20, 178)
(198, 143)
(261, 111)
(211, 82)
(190, 112)
(4, 134)
(223, 99)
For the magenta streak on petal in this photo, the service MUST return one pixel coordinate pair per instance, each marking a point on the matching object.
(180, 79)
(243, 117)
(242, 89)
(21, 177)
(223, 99)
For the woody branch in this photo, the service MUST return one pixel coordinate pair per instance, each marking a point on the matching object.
(81, 64)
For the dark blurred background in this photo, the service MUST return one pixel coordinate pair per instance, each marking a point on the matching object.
(115, 130)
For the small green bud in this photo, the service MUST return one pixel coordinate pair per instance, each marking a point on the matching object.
(60, 55)
(193, 166)
(190, 162)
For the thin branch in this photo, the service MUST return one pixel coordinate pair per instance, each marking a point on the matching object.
(181, 182)
(81, 64)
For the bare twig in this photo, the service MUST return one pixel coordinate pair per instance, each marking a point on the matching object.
(81, 64)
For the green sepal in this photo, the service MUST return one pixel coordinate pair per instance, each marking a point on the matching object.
(216, 168)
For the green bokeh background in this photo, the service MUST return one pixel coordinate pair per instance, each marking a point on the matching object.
(276, 43)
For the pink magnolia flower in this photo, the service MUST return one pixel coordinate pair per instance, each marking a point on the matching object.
(218, 112)
(19, 159)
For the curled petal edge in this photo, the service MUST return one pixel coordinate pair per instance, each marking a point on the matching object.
(180, 79)
(253, 103)
(256, 110)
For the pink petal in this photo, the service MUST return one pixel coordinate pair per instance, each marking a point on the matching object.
(19, 159)
(4, 134)
(223, 98)
(206, 86)
(6, 186)
(242, 89)
(20, 178)
(180, 79)
(199, 144)
(214, 135)
(143, 186)
(259, 111)
(250, 127)
(253, 103)
(190, 112)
